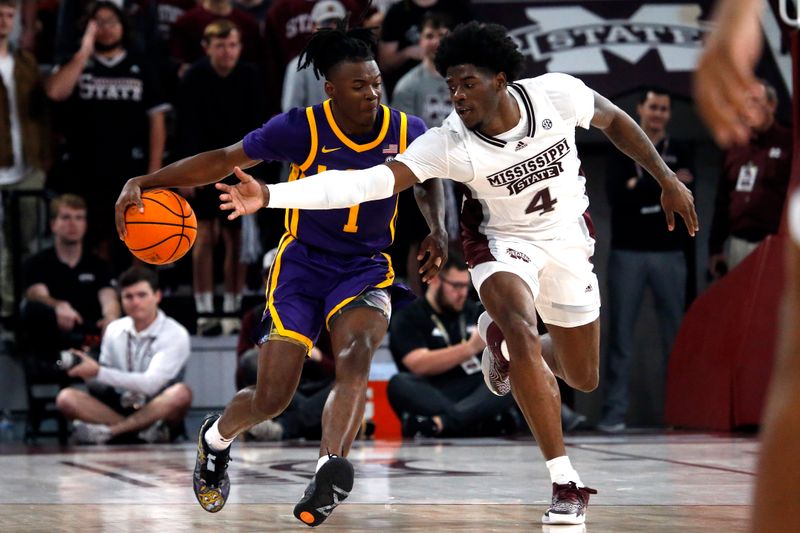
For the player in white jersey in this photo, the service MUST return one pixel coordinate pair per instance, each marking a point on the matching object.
(513, 146)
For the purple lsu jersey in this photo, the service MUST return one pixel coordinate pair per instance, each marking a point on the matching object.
(318, 145)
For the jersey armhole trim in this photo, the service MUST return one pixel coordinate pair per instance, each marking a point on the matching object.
(312, 153)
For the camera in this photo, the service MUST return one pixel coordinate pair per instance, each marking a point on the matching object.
(67, 360)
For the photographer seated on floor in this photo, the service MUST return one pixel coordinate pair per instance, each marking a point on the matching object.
(135, 390)
(435, 344)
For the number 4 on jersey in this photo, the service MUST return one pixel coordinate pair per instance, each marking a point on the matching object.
(542, 202)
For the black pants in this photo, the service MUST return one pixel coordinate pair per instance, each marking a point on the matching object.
(40, 340)
(465, 405)
(303, 417)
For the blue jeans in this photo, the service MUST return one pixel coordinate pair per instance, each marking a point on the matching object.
(629, 273)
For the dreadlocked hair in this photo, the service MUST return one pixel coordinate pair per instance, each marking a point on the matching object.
(330, 46)
(486, 46)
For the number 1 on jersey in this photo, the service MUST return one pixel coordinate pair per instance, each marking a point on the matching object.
(542, 202)
(352, 218)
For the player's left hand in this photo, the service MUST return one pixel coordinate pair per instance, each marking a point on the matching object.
(244, 198)
(435, 246)
(86, 369)
(677, 198)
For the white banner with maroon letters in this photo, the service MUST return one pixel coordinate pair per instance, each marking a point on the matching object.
(620, 46)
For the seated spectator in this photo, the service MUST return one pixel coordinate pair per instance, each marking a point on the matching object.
(303, 417)
(220, 100)
(69, 299)
(752, 187)
(435, 343)
(136, 389)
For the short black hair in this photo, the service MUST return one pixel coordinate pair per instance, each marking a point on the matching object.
(330, 46)
(135, 274)
(487, 46)
(436, 20)
(94, 7)
(655, 90)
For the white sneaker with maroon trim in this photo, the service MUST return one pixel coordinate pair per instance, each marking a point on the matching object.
(568, 505)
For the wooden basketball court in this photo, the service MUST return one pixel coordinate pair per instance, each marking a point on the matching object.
(646, 483)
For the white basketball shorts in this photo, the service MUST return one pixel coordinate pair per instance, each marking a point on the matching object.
(559, 273)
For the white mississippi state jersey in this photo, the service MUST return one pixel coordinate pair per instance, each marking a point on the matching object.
(524, 184)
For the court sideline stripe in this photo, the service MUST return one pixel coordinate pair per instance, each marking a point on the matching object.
(671, 461)
(113, 475)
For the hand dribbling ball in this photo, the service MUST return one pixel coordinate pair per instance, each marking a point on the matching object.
(165, 231)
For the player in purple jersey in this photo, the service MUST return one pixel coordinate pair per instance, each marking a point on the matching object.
(329, 271)
(512, 144)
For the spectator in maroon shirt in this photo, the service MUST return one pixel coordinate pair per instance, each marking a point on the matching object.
(289, 26)
(187, 32)
(752, 186)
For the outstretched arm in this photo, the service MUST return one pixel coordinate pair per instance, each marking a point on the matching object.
(332, 189)
(632, 141)
(201, 169)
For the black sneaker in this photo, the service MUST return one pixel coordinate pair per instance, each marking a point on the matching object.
(329, 487)
(211, 483)
(568, 505)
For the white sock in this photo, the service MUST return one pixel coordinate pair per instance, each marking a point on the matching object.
(216, 441)
(561, 471)
(230, 303)
(322, 460)
(204, 302)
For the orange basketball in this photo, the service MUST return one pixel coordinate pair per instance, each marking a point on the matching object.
(165, 231)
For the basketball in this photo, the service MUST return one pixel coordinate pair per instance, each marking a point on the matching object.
(165, 231)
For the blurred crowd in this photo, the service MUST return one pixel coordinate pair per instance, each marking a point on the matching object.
(94, 93)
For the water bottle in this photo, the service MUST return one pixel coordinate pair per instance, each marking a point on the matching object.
(6, 426)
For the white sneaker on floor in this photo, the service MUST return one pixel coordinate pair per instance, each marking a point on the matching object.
(86, 433)
(268, 430)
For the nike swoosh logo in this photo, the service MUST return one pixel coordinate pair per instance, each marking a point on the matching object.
(329, 150)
